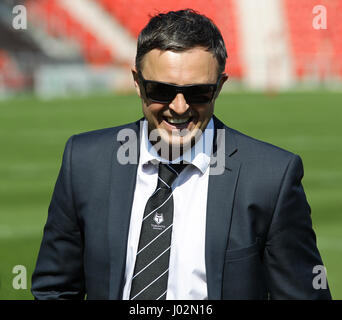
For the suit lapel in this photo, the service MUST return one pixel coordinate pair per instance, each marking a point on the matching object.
(123, 179)
(221, 192)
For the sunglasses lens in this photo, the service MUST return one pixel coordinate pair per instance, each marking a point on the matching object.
(199, 94)
(164, 93)
(160, 92)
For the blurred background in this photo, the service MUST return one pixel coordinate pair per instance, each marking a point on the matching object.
(65, 68)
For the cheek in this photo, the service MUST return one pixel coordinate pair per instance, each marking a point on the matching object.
(205, 113)
(146, 111)
(151, 112)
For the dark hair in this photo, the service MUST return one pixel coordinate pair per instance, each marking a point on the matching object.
(179, 31)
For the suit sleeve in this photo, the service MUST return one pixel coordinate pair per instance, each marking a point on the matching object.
(291, 252)
(59, 268)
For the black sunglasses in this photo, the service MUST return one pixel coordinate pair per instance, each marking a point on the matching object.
(164, 92)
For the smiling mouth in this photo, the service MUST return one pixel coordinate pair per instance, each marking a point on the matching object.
(176, 122)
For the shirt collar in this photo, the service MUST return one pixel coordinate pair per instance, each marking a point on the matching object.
(198, 155)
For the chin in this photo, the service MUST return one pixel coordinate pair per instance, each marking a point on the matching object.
(167, 143)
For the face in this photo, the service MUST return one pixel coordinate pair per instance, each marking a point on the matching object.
(177, 122)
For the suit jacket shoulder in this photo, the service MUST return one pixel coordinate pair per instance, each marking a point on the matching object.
(250, 147)
(101, 138)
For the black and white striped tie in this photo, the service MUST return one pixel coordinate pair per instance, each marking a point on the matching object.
(151, 269)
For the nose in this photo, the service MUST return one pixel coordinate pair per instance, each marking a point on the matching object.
(179, 104)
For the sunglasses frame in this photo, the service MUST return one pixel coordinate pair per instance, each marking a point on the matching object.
(178, 88)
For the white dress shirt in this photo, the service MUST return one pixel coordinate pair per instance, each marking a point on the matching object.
(187, 272)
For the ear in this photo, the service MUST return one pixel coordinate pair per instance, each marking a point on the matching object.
(136, 81)
(224, 78)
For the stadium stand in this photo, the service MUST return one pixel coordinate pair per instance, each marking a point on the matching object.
(60, 23)
(105, 28)
(11, 78)
(335, 9)
(15, 48)
(314, 51)
(270, 44)
(134, 15)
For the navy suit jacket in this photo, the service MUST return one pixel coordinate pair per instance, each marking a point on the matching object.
(259, 241)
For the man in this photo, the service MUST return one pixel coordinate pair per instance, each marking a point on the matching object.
(178, 223)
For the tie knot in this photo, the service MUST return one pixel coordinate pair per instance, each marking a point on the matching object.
(168, 173)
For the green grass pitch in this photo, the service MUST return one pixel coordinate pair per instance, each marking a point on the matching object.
(33, 134)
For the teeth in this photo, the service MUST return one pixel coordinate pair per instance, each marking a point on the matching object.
(178, 121)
